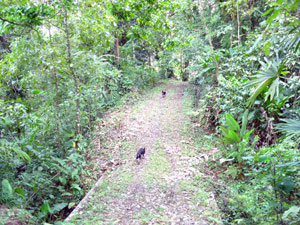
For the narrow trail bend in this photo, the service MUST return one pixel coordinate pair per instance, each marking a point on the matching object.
(166, 186)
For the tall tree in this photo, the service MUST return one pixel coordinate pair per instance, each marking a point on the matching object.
(71, 67)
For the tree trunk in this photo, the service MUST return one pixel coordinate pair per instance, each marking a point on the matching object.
(231, 37)
(186, 75)
(181, 64)
(238, 23)
(69, 60)
(55, 79)
(90, 115)
(117, 51)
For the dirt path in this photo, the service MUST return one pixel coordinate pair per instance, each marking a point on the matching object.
(166, 186)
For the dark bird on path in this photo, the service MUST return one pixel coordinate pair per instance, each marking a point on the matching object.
(140, 153)
(163, 93)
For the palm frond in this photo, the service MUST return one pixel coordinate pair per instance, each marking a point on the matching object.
(294, 42)
(291, 128)
(269, 74)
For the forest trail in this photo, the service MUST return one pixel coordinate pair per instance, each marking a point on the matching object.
(166, 187)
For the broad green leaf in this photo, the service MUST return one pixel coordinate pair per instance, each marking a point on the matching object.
(273, 16)
(232, 137)
(66, 194)
(267, 12)
(246, 136)
(231, 122)
(36, 91)
(76, 186)
(285, 185)
(20, 192)
(62, 180)
(46, 208)
(7, 190)
(244, 123)
(266, 48)
(71, 204)
(224, 131)
(293, 212)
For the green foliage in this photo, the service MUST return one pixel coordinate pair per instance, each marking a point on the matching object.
(58, 65)
(292, 215)
(8, 147)
(67, 61)
(7, 191)
(291, 128)
(269, 74)
(229, 133)
(236, 136)
(24, 14)
(262, 180)
(267, 193)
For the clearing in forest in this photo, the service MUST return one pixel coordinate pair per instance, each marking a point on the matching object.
(166, 186)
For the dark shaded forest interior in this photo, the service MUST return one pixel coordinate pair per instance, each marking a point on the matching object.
(211, 88)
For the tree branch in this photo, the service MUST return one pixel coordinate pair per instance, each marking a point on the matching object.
(17, 24)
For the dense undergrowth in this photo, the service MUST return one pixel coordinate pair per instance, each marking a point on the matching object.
(249, 98)
(60, 73)
(64, 63)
